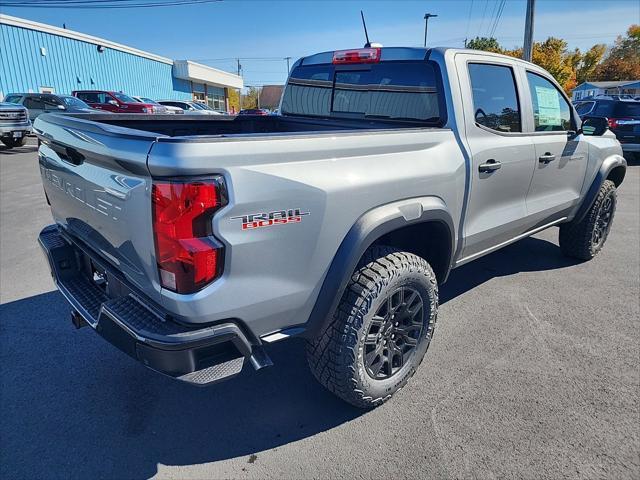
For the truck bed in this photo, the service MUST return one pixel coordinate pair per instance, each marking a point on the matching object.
(225, 125)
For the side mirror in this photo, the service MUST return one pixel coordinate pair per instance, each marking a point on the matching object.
(61, 107)
(595, 126)
(112, 102)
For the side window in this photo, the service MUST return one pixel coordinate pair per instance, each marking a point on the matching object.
(87, 97)
(551, 112)
(495, 98)
(584, 108)
(603, 109)
(33, 102)
(51, 102)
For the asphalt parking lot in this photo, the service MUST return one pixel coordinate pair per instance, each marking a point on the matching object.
(534, 373)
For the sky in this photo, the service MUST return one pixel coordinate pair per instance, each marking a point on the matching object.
(263, 33)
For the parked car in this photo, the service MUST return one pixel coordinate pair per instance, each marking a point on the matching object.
(189, 108)
(158, 107)
(623, 117)
(207, 108)
(39, 103)
(14, 124)
(254, 111)
(334, 221)
(116, 102)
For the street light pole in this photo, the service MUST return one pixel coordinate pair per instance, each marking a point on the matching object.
(427, 16)
(527, 47)
(288, 59)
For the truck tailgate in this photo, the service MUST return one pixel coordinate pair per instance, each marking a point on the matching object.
(96, 180)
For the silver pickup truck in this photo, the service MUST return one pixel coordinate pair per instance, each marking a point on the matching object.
(14, 125)
(192, 242)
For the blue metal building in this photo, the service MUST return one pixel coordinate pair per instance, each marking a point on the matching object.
(35, 57)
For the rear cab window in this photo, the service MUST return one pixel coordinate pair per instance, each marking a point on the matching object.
(395, 90)
(495, 97)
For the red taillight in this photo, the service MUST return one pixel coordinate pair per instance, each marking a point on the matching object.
(188, 256)
(616, 122)
(360, 55)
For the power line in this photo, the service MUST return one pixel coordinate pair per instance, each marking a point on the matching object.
(492, 17)
(497, 19)
(466, 34)
(102, 4)
(484, 12)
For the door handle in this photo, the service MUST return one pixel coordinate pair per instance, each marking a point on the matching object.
(491, 165)
(546, 158)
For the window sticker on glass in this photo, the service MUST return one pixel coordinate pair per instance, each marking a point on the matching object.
(548, 106)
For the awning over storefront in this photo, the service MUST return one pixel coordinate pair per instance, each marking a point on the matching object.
(196, 72)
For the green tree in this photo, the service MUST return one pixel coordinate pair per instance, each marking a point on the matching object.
(250, 99)
(487, 44)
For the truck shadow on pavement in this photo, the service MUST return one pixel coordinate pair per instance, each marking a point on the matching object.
(16, 150)
(75, 407)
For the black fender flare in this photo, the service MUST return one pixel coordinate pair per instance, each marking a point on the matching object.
(366, 230)
(607, 166)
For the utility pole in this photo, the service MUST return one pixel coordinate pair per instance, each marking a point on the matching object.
(288, 59)
(427, 16)
(239, 90)
(527, 47)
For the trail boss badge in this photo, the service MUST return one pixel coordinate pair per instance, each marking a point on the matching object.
(277, 217)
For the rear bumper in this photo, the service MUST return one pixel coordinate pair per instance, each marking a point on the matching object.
(143, 331)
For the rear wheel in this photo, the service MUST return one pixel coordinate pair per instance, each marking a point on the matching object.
(381, 329)
(584, 239)
(15, 142)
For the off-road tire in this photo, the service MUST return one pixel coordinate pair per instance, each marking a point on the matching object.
(336, 357)
(15, 142)
(580, 239)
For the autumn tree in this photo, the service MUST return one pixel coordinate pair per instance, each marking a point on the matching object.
(234, 100)
(623, 60)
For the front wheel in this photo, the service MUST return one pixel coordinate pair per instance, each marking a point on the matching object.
(381, 329)
(584, 239)
(15, 142)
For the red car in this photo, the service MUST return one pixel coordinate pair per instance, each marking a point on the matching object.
(254, 111)
(116, 102)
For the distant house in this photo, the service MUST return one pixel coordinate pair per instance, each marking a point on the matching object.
(270, 96)
(618, 87)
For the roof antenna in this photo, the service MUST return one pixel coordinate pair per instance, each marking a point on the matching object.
(364, 24)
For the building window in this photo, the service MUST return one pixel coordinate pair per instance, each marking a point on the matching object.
(217, 102)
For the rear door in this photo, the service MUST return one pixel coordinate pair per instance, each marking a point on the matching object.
(561, 154)
(99, 188)
(502, 155)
